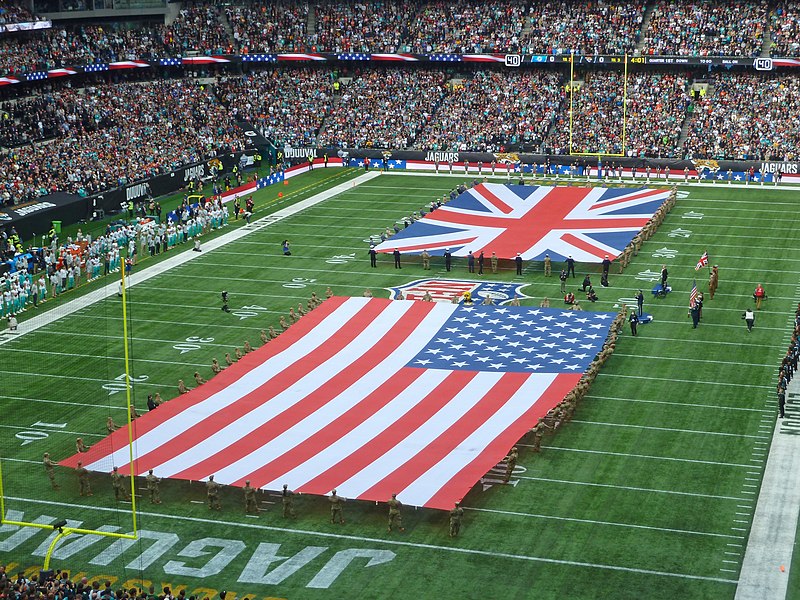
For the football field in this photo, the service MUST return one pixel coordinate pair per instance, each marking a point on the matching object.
(648, 492)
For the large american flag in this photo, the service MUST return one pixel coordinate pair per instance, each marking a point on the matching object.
(587, 223)
(372, 397)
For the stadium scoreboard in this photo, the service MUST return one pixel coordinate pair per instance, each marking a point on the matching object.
(760, 63)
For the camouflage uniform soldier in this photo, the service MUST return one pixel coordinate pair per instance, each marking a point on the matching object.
(511, 462)
(288, 501)
(548, 266)
(48, 467)
(83, 480)
(117, 483)
(493, 262)
(713, 281)
(212, 489)
(426, 260)
(250, 503)
(272, 333)
(336, 507)
(395, 518)
(456, 514)
(538, 431)
(152, 487)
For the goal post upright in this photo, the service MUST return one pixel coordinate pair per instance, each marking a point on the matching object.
(624, 136)
(63, 530)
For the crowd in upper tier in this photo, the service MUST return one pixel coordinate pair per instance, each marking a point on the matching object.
(92, 139)
(669, 27)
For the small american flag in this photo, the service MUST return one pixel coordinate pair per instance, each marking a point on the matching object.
(693, 294)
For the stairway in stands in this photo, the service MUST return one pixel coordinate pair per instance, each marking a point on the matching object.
(226, 25)
(648, 14)
(311, 23)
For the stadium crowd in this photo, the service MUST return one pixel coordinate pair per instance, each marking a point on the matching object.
(745, 118)
(198, 27)
(377, 26)
(584, 27)
(103, 136)
(13, 12)
(706, 27)
(492, 111)
(657, 104)
(269, 27)
(288, 105)
(784, 28)
(383, 109)
(58, 585)
(109, 135)
(683, 27)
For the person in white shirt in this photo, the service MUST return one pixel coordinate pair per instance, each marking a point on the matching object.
(749, 318)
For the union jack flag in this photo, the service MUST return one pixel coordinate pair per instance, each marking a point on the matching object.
(587, 223)
(702, 262)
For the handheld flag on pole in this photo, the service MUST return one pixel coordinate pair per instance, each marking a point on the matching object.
(693, 294)
(702, 262)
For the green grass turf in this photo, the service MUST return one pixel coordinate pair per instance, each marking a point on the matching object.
(637, 497)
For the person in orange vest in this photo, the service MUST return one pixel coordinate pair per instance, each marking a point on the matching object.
(759, 296)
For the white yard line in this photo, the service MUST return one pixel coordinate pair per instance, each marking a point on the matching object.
(645, 456)
(629, 488)
(670, 429)
(608, 523)
(400, 543)
(681, 404)
(768, 557)
(179, 259)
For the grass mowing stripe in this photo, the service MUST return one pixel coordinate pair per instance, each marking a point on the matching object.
(629, 488)
(71, 377)
(56, 430)
(645, 456)
(84, 404)
(736, 435)
(160, 322)
(595, 522)
(132, 359)
(714, 383)
(470, 551)
(714, 407)
(697, 360)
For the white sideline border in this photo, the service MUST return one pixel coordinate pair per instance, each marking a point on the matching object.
(772, 535)
(178, 259)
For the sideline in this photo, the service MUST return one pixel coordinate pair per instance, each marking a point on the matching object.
(179, 259)
(768, 556)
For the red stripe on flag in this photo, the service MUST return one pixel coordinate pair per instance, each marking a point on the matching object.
(425, 409)
(586, 246)
(229, 376)
(626, 198)
(267, 390)
(502, 206)
(449, 439)
(314, 400)
(349, 420)
(459, 485)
